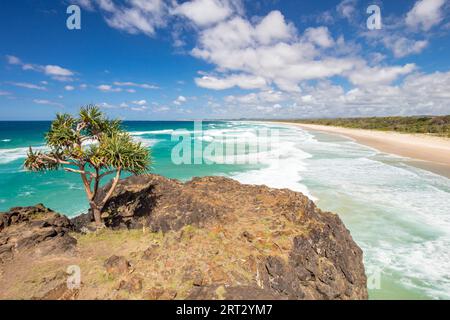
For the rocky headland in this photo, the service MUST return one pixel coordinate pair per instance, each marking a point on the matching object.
(209, 238)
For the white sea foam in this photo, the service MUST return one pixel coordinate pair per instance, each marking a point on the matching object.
(6, 140)
(419, 265)
(143, 133)
(286, 174)
(10, 155)
(146, 142)
(282, 163)
(398, 214)
(206, 138)
(25, 194)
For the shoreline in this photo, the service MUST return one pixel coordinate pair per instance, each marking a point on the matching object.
(425, 152)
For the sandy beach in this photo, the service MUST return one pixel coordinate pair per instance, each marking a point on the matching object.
(427, 152)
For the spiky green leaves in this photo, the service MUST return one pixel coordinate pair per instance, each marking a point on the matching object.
(93, 140)
(93, 122)
(39, 161)
(62, 132)
(92, 146)
(120, 151)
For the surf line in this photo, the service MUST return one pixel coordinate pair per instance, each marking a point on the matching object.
(223, 149)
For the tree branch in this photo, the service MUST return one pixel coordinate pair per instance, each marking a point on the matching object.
(77, 171)
(107, 173)
(96, 183)
(113, 186)
(87, 185)
(55, 159)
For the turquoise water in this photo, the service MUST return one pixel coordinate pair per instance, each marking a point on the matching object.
(398, 214)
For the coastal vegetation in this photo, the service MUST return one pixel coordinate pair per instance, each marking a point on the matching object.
(94, 147)
(433, 125)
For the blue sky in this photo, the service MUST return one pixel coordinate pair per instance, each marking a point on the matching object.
(215, 59)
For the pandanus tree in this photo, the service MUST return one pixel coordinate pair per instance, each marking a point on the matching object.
(94, 147)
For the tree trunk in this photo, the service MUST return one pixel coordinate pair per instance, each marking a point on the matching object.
(97, 213)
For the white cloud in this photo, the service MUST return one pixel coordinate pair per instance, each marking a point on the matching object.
(139, 109)
(402, 46)
(372, 76)
(320, 36)
(432, 86)
(291, 72)
(241, 81)
(13, 60)
(404, 35)
(48, 102)
(69, 88)
(273, 27)
(140, 102)
(346, 9)
(138, 105)
(425, 14)
(4, 93)
(204, 12)
(108, 88)
(267, 96)
(160, 109)
(180, 100)
(28, 86)
(85, 4)
(54, 71)
(134, 84)
(249, 58)
(419, 93)
(107, 105)
(118, 86)
(137, 16)
(398, 38)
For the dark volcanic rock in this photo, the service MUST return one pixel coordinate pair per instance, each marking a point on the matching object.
(35, 228)
(117, 265)
(82, 222)
(132, 284)
(323, 261)
(218, 239)
(21, 214)
(55, 288)
(146, 201)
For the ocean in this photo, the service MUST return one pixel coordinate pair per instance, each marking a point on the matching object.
(397, 213)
